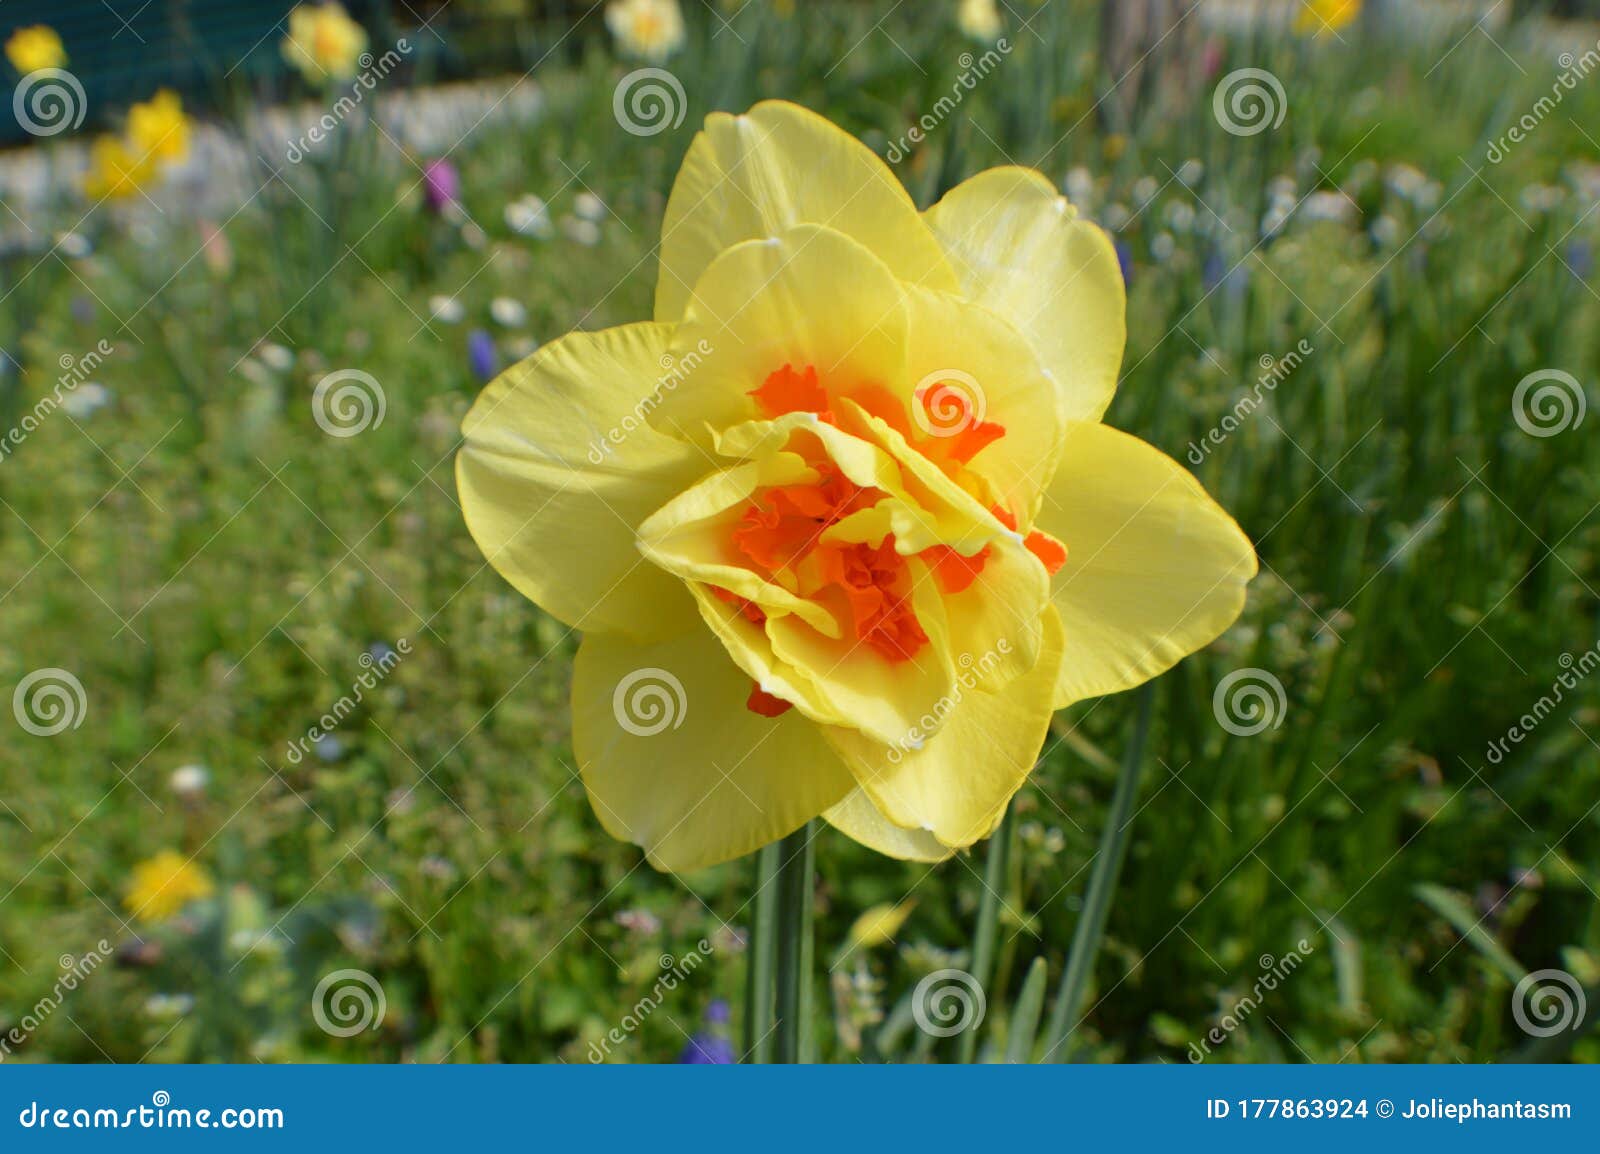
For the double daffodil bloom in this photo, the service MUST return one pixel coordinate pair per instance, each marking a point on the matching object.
(841, 525)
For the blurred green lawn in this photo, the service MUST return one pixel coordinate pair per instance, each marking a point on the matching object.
(212, 567)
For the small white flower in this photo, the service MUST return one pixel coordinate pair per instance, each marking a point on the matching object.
(1327, 205)
(529, 216)
(189, 780)
(73, 246)
(275, 356)
(1162, 246)
(445, 309)
(85, 400)
(589, 206)
(585, 232)
(508, 312)
(1190, 172)
(1079, 186)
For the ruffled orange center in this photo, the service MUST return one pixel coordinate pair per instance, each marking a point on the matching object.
(866, 586)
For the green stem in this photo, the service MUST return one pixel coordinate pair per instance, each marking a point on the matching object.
(1108, 860)
(995, 871)
(794, 896)
(763, 953)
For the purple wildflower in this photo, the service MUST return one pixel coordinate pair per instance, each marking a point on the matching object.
(441, 184)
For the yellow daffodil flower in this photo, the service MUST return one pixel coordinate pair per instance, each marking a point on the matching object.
(842, 525)
(648, 29)
(34, 48)
(979, 19)
(878, 925)
(158, 130)
(116, 171)
(163, 885)
(323, 42)
(1325, 17)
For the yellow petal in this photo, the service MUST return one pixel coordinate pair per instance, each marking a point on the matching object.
(857, 818)
(777, 166)
(558, 469)
(675, 763)
(1155, 568)
(957, 784)
(878, 926)
(811, 296)
(1020, 251)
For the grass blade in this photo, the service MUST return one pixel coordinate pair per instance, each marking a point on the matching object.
(1102, 883)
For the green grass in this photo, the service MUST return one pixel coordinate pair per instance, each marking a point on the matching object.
(212, 566)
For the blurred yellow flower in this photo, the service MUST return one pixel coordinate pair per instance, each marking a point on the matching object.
(161, 886)
(1325, 17)
(648, 29)
(158, 130)
(878, 925)
(842, 526)
(30, 49)
(979, 19)
(116, 171)
(323, 42)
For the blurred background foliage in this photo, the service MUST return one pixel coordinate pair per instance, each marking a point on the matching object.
(212, 566)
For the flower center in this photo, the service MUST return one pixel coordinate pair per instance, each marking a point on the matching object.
(866, 585)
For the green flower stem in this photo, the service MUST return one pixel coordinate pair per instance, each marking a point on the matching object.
(1108, 860)
(995, 871)
(794, 955)
(763, 954)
